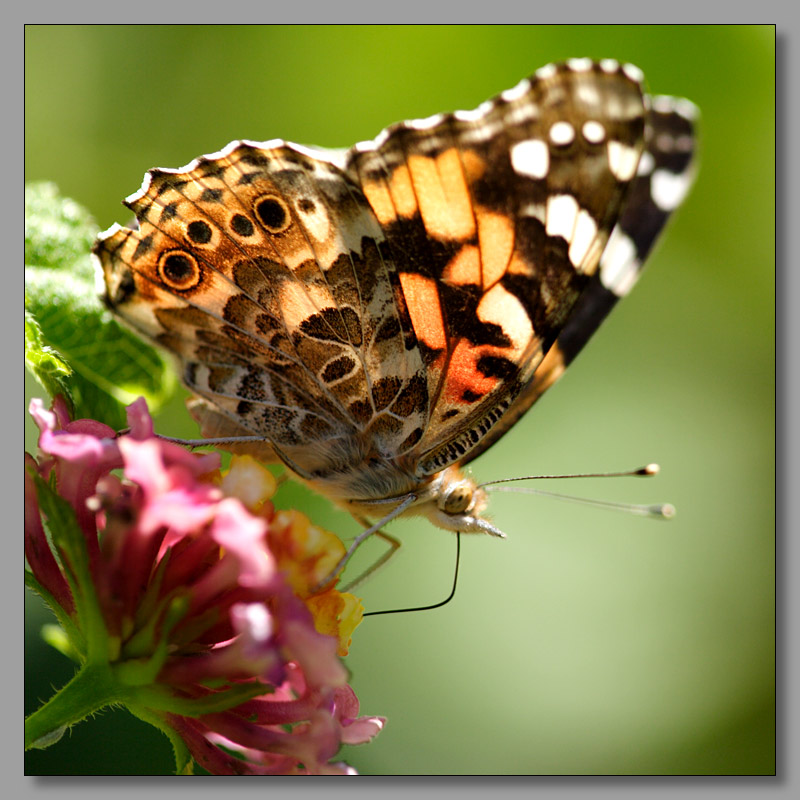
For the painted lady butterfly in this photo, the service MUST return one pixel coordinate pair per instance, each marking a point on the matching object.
(375, 318)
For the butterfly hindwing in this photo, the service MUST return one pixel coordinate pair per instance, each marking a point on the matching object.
(261, 269)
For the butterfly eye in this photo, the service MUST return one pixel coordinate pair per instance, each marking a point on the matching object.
(456, 499)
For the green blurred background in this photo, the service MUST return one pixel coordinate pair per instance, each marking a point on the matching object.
(589, 642)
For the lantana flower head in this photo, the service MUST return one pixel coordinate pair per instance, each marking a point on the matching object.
(197, 612)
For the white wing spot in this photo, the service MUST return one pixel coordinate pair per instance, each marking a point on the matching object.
(372, 144)
(474, 114)
(619, 266)
(516, 92)
(562, 213)
(522, 113)
(686, 108)
(662, 103)
(315, 218)
(646, 164)
(593, 131)
(545, 72)
(587, 94)
(535, 210)
(665, 142)
(665, 104)
(481, 133)
(633, 72)
(668, 189)
(531, 157)
(561, 133)
(580, 64)
(609, 65)
(501, 307)
(622, 160)
(322, 157)
(583, 236)
(426, 123)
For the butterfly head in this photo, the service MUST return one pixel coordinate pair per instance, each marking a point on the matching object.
(455, 502)
(450, 500)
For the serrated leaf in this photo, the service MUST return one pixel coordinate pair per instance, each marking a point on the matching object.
(78, 348)
(46, 364)
(58, 231)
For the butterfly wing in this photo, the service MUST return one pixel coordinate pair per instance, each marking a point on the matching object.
(406, 299)
(260, 268)
(664, 176)
(496, 220)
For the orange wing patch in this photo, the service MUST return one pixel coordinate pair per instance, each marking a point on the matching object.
(444, 200)
(379, 197)
(424, 308)
(402, 191)
(393, 198)
(496, 237)
(465, 383)
(464, 268)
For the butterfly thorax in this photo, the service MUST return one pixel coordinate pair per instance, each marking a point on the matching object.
(374, 486)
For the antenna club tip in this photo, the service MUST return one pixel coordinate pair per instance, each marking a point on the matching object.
(667, 511)
(650, 469)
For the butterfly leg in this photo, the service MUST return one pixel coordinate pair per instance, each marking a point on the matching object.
(365, 534)
(394, 546)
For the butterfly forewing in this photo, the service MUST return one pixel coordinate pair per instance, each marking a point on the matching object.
(495, 220)
(663, 178)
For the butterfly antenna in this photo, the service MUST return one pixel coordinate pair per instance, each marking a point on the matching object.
(435, 605)
(647, 470)
(657, 511)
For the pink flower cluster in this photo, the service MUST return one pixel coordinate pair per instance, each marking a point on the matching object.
(192, 596)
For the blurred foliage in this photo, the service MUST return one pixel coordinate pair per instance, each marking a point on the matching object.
(72, 344)
(588, 642)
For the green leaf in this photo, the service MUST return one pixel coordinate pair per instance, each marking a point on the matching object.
(75, 648)
(47, 364)
(58, 232)
(73, 344)
(58, 639)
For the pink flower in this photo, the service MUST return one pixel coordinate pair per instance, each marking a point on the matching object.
(203, 631)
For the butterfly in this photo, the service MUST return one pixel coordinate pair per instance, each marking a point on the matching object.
(377, 317)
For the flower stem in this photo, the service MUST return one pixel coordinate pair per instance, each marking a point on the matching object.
(92, 688)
